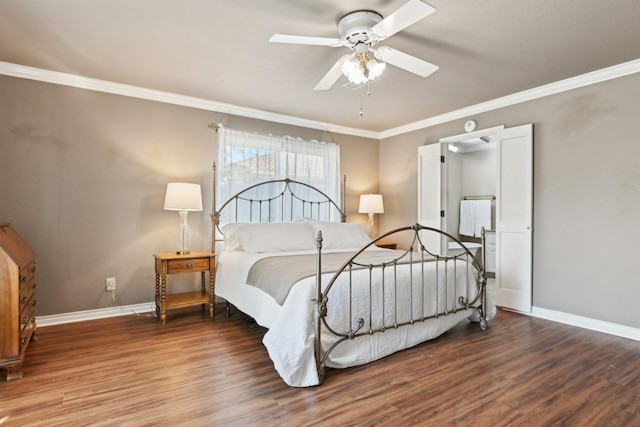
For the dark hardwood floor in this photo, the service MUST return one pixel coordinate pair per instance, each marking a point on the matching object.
(132, 371)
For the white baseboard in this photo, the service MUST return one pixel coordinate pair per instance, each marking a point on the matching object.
(100, 313)
(543, 313)
(587, 323)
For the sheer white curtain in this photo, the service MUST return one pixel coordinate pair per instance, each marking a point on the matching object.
(246, 158)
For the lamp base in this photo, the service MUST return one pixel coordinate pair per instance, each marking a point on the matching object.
(184, 234)
(370, 224)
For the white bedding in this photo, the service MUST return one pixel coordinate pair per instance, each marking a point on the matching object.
(290, 338)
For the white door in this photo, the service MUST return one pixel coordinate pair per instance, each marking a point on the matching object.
(514, 218)
(430, 186)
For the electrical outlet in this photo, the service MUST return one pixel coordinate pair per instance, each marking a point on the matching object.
(110, 284)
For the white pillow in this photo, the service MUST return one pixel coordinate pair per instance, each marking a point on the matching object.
(340, 235)
(232, 238)
(268, 237)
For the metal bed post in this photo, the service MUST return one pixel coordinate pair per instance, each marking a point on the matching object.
(213, 209)
(343, 207)
(320, 309)
(483, 280)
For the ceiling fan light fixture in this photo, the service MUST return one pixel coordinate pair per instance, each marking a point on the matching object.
(350, 66)
(360, 68)
(375, 68)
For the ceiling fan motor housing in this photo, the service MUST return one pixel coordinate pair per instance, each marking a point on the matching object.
(355, 27)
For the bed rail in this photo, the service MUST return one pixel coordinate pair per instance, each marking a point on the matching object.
(460, 284)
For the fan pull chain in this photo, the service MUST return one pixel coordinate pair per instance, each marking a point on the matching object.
(368, 94)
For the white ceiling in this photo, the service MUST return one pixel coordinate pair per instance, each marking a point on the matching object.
(218, 50)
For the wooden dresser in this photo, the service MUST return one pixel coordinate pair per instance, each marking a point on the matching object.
(17, 301)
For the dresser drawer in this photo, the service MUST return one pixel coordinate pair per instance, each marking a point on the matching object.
(27, 314)
(186, 265)
(27, 274)
(26, 293)
(27, 324)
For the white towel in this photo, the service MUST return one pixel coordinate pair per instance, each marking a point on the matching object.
(467, 217)
(483, 216)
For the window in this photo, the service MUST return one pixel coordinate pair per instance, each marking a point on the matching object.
(246, 159)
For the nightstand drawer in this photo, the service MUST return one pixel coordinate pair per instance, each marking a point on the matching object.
(186, 265)
(387, 245)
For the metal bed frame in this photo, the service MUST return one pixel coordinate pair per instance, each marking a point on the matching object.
(280, 207)
(416, 255)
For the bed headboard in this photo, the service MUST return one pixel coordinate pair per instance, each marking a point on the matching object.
(279, 200)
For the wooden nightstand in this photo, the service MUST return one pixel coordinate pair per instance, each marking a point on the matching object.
(172, 263)
(386, 245)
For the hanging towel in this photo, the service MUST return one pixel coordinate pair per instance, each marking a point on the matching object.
(483, 216)
(467, 217)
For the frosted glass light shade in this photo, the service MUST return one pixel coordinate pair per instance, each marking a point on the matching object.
(361, 72)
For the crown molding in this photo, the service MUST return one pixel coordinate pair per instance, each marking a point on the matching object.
(65, 79)
(55, 77)
(571, 83)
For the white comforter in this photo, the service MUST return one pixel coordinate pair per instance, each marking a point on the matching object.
(290, 338)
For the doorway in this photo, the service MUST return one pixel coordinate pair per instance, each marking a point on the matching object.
(442, 187)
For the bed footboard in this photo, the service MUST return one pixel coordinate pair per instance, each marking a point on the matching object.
(383, 290)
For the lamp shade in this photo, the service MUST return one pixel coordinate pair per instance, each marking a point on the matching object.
(183, 196)
(371, 203)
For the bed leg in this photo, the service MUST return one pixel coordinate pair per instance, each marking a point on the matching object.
(483, 312)
(228, 308)
(483, 323)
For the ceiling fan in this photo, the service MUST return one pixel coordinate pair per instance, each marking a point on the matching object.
(360, 31)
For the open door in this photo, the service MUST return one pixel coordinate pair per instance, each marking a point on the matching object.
(514, 218)
(430, 184)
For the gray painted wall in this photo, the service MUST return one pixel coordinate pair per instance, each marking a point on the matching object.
(83, 176)
(586, 194)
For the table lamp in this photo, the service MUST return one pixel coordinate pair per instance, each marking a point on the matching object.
(371, 204)
(183, 197)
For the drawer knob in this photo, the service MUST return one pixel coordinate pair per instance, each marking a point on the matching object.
(23, 279)
(189, 265)
(23, 300)
(24, 320)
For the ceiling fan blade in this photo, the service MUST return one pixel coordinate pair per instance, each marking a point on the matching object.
(332, 76)
(412, 12)
(307, 40)
(404, 61)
